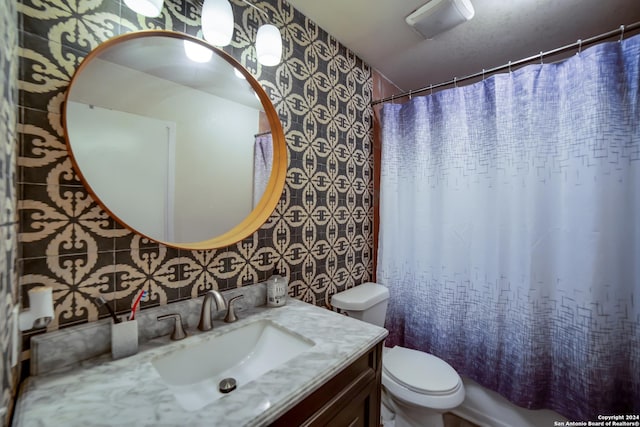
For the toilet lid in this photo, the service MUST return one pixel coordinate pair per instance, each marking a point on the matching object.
(361, 297)
(420, 372)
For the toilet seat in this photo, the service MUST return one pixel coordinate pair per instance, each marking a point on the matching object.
(421, 379)
(420, 372)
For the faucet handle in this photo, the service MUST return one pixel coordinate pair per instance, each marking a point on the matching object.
(231, 314)
(178, 329)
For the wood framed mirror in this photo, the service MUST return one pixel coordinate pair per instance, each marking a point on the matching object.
(189, 154)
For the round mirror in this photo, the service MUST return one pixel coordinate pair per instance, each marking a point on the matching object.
(175, 139)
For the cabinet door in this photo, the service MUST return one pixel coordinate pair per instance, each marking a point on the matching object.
(361, 411)
(351, 398)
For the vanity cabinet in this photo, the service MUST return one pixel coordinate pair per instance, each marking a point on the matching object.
(350, 398)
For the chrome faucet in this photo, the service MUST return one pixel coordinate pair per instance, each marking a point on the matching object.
(205, 315)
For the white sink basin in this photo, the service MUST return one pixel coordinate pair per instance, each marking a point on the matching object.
(193, 373)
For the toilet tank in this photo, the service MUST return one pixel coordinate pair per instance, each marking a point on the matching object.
(366, 302)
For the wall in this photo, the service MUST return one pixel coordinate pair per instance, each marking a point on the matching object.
(139, 148)
(320, 234)
(8, 193)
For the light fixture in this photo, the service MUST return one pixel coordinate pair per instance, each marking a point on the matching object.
(217, 22)
(150, 8)
(197, 52)
(268, 45)
(438, 16)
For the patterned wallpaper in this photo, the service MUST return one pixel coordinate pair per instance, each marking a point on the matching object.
(8, 193)
(320, 234)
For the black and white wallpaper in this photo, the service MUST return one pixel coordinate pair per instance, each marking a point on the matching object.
(320, 234)
(8, 193)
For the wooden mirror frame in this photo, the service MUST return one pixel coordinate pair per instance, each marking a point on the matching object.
(263, 210)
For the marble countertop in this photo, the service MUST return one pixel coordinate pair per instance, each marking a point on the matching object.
(105, 392)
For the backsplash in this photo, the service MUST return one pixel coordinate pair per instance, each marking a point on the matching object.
(8, 193)
(69, 347)
(320, 234)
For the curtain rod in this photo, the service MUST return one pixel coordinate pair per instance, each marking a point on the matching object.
(261, 134)
(578, 44)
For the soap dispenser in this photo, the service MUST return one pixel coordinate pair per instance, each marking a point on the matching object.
(276, 290)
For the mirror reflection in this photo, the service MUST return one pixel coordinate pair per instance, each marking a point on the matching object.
(175, 146)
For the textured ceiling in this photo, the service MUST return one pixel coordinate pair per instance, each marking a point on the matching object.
(501, 31)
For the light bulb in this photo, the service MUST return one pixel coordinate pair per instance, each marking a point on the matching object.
(150, 8)
(269, 45)
(196, 52)
(217, 22)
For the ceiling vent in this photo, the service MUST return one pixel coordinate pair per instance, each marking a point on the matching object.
(438, 16)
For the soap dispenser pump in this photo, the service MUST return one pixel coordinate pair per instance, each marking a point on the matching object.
(276, 290)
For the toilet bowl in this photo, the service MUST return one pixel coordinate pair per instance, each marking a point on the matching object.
(417, 387)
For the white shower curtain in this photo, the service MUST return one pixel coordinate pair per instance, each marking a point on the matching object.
(510, 230)
(262, 161)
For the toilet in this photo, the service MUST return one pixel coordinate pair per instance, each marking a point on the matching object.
(417, 387)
